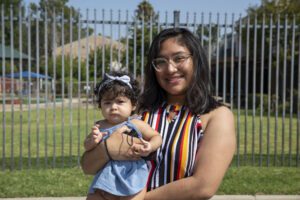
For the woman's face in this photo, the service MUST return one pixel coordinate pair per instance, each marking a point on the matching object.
(176, 75)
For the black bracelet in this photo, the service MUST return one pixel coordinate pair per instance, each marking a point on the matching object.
(107, 150)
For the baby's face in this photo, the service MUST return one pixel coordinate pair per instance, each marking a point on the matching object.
(116, 110)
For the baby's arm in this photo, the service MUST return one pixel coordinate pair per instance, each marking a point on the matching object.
(94, 138)
(151, 139)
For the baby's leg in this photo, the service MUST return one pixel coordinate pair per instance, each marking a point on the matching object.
(101, 195)
(138, 196)
(94, 196)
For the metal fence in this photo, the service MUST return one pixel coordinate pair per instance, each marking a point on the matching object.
(51, 62)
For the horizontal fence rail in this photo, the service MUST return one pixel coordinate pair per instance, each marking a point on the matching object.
(52, 60)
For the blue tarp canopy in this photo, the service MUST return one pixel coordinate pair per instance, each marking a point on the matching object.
(26, 74)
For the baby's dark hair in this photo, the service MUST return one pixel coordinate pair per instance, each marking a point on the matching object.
(117, 87)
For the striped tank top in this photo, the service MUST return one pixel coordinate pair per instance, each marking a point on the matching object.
(181, 132)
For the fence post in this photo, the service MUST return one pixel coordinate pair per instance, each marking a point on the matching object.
(176, 18)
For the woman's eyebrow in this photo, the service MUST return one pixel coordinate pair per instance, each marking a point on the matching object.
(173, 54)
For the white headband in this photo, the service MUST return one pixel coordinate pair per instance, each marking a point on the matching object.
(124, 79)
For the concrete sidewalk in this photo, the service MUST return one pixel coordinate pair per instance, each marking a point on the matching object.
(217, 197)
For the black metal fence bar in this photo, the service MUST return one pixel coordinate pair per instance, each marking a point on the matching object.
(277, 90)
(298, 114)
(3, 87)
(246, 90)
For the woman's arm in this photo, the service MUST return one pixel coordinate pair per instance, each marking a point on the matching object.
(92, 161)
(149, 134)
(214, 155)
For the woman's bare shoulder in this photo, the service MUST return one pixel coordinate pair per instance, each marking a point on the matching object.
(222, 115)
(223, 111)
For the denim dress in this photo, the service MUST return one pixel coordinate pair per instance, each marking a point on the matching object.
(121, 178)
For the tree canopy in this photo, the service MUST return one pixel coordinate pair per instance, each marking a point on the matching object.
(276, 7)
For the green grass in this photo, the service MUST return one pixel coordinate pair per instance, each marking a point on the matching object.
(52, 136)
(261, 180)
(72, 182)
(276, 147)
(44, 182)
(48, 150)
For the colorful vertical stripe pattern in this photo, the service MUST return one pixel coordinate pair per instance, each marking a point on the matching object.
(181, 134)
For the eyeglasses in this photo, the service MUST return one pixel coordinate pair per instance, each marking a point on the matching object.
(161, 64)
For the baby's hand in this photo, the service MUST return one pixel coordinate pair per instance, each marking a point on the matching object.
(142, 150)
(93, 138)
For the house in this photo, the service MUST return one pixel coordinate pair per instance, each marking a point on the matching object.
(253, 70)
(10, 53)
(7, 53)
(92, 42)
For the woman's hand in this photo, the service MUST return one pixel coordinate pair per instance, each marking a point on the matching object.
(118, 146)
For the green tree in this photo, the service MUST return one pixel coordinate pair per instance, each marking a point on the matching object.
(145, 11)
(99, 61)
(65, 68)
(58, 31)
(141, 36)
(278, 11)
(16, 6)
(276, 7)
(282, 14)
(58, 9)
(208, 35)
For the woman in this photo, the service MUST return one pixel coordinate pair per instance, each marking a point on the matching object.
(198, 132)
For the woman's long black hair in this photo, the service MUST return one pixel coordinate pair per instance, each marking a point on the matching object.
(199, 97)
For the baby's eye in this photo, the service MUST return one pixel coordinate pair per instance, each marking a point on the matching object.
(121, 101)
(106, 102)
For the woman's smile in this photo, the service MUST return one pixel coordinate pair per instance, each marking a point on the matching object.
(174, 79)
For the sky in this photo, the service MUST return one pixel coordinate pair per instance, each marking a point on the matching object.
(192, 6)
(214, 6)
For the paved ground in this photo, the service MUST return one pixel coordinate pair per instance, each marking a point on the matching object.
(17, 107)
(217, 197)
